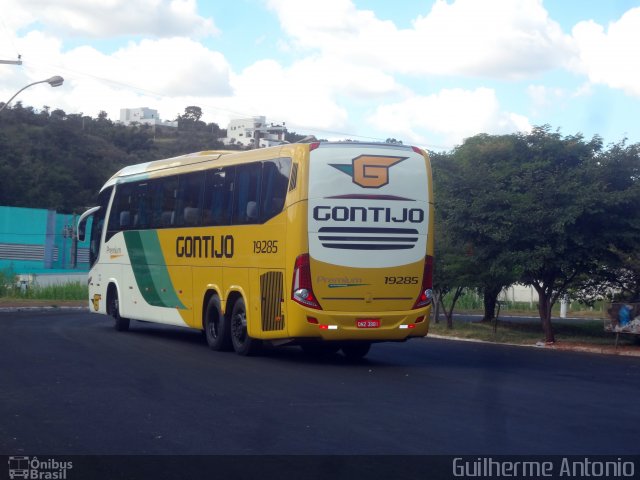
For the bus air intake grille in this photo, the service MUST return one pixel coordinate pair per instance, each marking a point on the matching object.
(294, 177)
(271, 291)
(366, 238)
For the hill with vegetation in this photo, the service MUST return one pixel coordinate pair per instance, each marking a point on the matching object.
(54, 160)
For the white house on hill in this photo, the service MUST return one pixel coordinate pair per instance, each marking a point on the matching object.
(143, 116)
(248, 131)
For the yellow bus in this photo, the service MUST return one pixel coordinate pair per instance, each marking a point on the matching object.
(326, 245)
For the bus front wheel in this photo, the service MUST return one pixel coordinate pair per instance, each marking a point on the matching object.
(216, 326)
(243, 344)
(121, 324)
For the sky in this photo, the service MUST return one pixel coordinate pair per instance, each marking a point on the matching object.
(427, 72)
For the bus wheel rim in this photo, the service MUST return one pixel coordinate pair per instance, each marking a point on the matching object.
(239, 331)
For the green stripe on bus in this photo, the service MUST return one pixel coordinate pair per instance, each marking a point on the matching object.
(150, 271)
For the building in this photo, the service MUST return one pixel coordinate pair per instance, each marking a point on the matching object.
(39, 244)
(144, 116)
(519, 293)
(248, 131)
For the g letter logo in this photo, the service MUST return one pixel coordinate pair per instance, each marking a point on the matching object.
(370, 171)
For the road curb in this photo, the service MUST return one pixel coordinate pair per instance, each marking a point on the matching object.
(562, 347)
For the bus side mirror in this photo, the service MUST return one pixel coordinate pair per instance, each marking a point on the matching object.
(82, 231)
(81, 226)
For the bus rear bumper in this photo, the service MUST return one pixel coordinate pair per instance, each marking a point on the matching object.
(369, 326)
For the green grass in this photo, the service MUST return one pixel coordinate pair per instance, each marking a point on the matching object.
(472, 301)
(589, 332)
(66, 291)
(9, 289)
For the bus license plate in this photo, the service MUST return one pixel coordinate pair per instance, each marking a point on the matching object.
(368, 323)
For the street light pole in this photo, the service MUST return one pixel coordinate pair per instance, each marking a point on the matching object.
(54, 81)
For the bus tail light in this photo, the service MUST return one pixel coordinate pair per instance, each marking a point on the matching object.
(426, 292)
(301, 290)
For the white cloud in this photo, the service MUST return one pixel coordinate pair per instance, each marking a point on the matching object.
(447, 117)
(543, 97)
(610, 56)
(167, 74)
(281, 93)
(496, 38)
(104, 18)
(308, 94)
(500, 38)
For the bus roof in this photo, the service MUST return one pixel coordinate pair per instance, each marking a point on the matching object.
(179, 161)
(193, 159)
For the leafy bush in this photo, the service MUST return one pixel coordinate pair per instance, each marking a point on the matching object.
(7, 281)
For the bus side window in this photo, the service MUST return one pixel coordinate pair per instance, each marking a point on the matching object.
(218, 196)
(188, 208)
(165, 191)
(275, 182)
(141, 206)
(120, 216)
(246, 199)
(97, 225)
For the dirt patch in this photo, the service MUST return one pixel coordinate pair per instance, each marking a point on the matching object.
(629, 350)
(624, 350)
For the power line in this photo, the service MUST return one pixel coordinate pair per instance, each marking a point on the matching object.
(10, 62)
(227, 111)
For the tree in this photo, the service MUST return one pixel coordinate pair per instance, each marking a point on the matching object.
(103, 117)
(293, 137)
(451, 269)
(546, 210)
(477, 212)
(618, 275)
(566, 213)
(192, 113)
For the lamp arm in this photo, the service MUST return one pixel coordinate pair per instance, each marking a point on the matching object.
(16, 94)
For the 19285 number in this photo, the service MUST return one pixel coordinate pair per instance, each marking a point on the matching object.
(400, 280)
(265, 246)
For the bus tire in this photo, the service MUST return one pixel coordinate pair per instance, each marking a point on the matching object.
(356, 350)
(217, 328)
(243, 344)
(121, 324)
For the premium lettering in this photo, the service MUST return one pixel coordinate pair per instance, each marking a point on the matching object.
(205, 246)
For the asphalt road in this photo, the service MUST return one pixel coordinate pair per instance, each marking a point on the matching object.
(71, 384)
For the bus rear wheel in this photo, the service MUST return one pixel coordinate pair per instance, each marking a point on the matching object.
(121, 324)
(356, 351)
(243, 344)
(216, 326)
